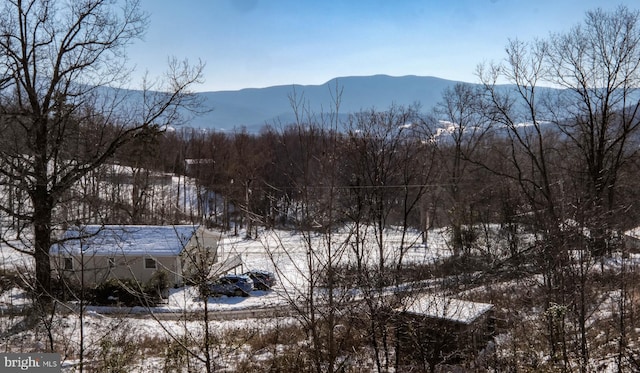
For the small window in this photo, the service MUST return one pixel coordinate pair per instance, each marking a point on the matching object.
(112, 262)
(150, 263)
(68, 264)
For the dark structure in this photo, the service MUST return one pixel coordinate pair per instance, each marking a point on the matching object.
(434, 329)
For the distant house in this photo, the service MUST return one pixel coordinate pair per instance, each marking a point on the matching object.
(123, 175)
(434, 329)
(93, 254)
(194, 165)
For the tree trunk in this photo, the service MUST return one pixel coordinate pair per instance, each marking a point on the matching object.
(42, 234)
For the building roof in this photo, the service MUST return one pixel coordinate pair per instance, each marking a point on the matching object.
(132, 240)
(441, 307)
(634, 233)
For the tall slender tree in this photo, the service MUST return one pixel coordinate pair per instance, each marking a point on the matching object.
(59, 114)
(463, 128)
(588, 131)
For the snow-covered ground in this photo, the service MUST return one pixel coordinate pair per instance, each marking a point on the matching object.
(291, 256)
(285, 253)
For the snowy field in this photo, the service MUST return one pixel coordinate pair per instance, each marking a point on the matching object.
(281, 252)
(285, 253)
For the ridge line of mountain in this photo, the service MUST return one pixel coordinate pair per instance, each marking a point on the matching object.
(252, 108)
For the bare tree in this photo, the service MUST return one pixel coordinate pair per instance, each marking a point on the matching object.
(248, 160)
(462, 128)
(59, 120)
(518, 113)
(380, 148)
(320, 299)
(598, 64)
(567, 150)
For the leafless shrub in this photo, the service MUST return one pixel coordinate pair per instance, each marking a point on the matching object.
(117, 352)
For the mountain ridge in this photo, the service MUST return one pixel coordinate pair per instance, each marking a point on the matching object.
(253, 108)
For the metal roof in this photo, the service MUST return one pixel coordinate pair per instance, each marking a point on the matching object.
(132, 240)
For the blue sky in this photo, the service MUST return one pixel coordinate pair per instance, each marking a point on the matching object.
(260, 43)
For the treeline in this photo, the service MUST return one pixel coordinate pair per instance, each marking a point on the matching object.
(453, 166)
(487, 153)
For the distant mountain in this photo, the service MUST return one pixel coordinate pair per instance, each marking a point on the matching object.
(255, 107)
